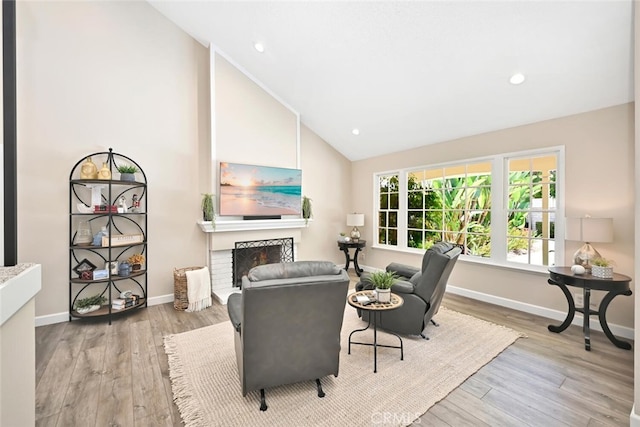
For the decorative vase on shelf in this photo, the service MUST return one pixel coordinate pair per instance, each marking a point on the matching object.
(136, 267)
(84, 237)
(88, 170)
(104, 173)
(124, 269)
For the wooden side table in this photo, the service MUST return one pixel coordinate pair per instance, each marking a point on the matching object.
(375, 308)
(618, 285)
(345, 246)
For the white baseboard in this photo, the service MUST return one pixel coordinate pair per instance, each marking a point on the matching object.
(634, 419)
(50, 319)
(620, 331)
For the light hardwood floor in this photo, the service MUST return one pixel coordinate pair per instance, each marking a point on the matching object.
(89, 373)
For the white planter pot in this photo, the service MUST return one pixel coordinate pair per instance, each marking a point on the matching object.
(602, 272)
(383, 295)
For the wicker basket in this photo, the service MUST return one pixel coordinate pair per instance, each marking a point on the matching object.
(180, 295)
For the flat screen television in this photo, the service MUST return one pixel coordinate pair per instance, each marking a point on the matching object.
(259, 191)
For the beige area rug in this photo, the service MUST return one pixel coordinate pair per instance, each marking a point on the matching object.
(206, 388)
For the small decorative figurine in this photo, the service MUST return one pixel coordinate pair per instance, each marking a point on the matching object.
(135, 203)
(89, 170)
(104, 173)
(122, 205)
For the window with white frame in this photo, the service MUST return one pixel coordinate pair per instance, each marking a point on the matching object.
(501, 208)
(388, 190)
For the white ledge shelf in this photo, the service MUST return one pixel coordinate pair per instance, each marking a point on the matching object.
(249, 225)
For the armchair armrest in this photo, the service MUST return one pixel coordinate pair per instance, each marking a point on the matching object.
(234, 309)
(402, 287)
(403, 270)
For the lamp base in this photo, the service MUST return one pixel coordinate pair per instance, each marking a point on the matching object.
(585, 255)
(355, 234)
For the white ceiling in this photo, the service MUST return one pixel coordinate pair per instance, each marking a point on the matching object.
(409, 74)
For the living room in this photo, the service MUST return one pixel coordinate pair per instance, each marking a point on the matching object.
(96, 75)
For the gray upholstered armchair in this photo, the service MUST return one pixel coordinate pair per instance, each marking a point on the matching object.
(421, 289)
(288, 320)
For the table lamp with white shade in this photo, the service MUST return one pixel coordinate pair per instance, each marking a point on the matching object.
(588, 230)
(355, 220)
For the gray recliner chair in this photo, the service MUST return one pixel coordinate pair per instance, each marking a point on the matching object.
(287, 323)
(422, 290)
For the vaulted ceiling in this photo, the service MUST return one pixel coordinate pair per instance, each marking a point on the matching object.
(407, 74)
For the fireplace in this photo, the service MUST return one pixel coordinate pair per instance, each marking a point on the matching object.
(247, 255)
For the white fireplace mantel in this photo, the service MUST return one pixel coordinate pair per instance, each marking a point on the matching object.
(249, 225)
(228, 232)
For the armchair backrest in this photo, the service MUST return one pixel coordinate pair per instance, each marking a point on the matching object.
(437, 264)
(291, 321)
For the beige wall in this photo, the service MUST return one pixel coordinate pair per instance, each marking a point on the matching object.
(251, 125)
(599, 167)
(94, 75)
(326, 180)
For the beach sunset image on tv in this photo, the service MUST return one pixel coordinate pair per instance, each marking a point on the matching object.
(250, 190)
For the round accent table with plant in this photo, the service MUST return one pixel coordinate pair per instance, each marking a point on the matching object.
(365, 300)
(382, 282)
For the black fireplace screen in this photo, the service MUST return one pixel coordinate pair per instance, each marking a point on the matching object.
(247, 255)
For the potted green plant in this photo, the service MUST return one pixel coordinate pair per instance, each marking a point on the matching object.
(601, 267)
(208, 207)
(382, 281)
(127, 172)
(89, 304)
(306, 209)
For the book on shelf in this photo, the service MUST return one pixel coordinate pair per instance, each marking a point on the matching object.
(120, 303)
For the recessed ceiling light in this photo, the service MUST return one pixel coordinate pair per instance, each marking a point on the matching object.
(516, 79)
(356, 131)
(259, 47)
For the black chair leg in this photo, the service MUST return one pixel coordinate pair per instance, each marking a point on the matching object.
(320, 392)
(434, 323)
(424, 336)
(263, 403)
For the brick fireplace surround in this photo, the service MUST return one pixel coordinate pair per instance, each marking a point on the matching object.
(221, 241)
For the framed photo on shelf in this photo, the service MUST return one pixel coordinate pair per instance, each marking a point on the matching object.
(84, 268)
(113, 266)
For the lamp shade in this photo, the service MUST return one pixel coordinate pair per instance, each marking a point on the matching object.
(590, 230)
(355, 220)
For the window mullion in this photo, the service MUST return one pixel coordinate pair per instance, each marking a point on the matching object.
(499, 211)
(403, 193)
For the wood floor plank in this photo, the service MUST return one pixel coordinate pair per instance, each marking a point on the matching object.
(475, 387)
(83, 389)
(149, 399)
(54, 383)
(159, 329)
(542, 395)
(429, 419)
(526, 414)
(47, 338)
(116, 393)
(451, 414)
(486, 413)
